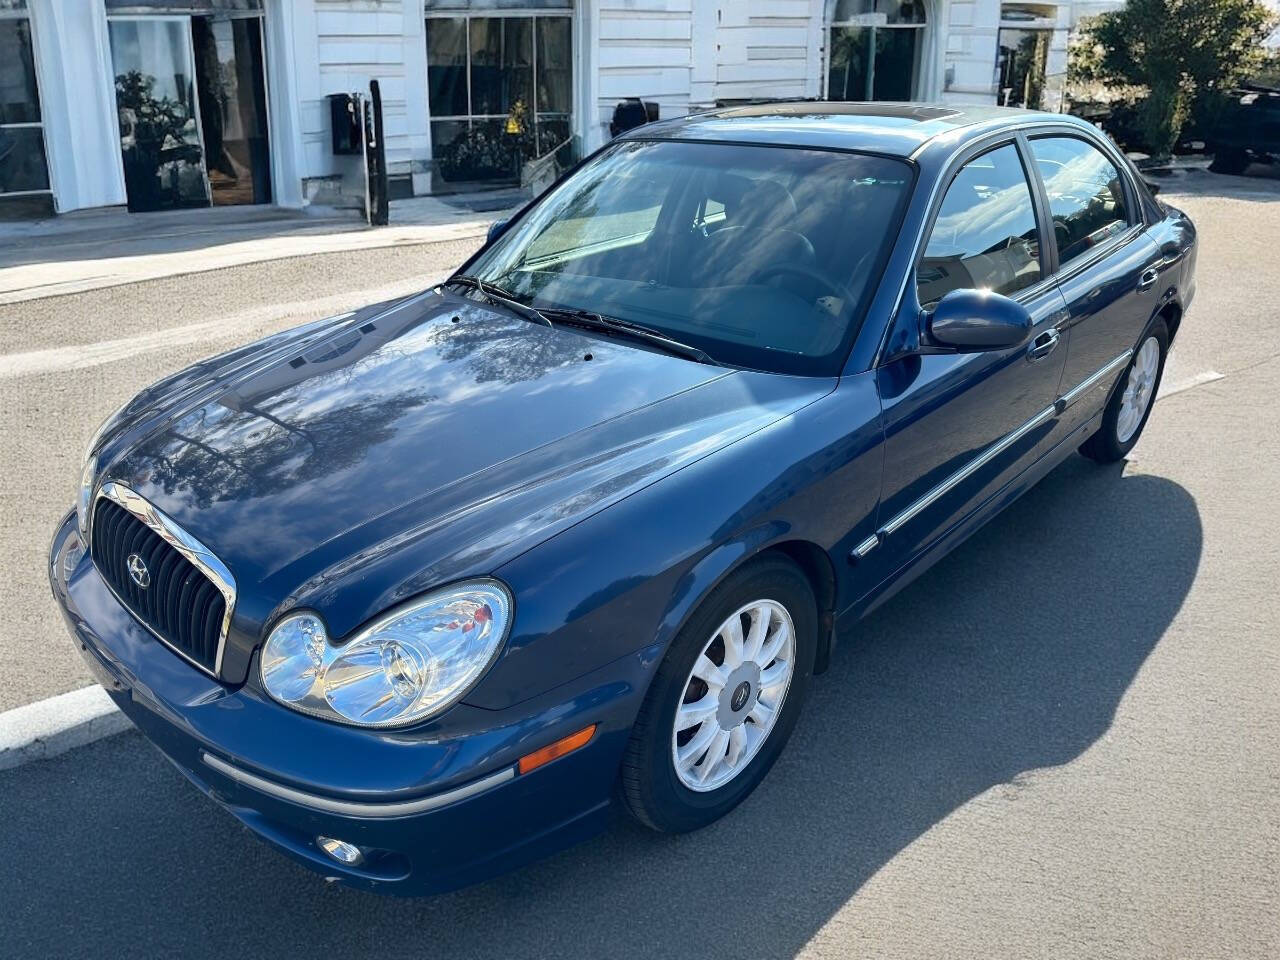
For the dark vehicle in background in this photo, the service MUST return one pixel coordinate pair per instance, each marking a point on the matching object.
(422, 592)
(1248, 131)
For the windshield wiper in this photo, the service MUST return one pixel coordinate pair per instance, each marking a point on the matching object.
(582, 318)
(502, 297)
(599, 321)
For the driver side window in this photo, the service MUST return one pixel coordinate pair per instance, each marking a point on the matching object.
(985, 235)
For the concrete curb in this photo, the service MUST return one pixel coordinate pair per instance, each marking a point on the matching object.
(49, 727)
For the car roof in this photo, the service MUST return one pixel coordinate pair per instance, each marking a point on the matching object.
(895, 129)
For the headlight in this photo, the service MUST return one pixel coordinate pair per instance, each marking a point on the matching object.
(403, 667)
(88, 473)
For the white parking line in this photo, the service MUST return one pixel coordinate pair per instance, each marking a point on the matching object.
(49, 727)
(1177, 386)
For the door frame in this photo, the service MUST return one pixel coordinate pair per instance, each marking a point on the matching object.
(1027, 130)
(1137, 216)
(261, 17)
(184, 18)
(909, 312)
(906, 299)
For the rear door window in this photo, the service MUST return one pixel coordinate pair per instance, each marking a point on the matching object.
(985, 235)
(1086, 196)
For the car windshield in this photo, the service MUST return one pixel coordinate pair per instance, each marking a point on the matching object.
(763, 257)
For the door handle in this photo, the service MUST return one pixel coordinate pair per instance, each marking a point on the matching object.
(1043, 345)
(1148, 278)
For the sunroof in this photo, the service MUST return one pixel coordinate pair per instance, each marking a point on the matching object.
(897, 111)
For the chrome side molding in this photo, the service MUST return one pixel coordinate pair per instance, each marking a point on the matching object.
(866, 546)
(200, 557)
(1056, 409)
(970, 468)
(1080, 389)
(354, 808)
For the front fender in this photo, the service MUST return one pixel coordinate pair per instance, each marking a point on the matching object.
(707, 572)
(628, 578)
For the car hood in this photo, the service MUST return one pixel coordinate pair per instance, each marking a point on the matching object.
(379, 455)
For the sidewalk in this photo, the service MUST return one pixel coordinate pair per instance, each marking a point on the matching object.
(86, 251)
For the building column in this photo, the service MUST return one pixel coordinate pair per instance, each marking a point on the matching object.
(929, 81)
(77, 103)
(417, 133)
(283, 30)
(586, 76)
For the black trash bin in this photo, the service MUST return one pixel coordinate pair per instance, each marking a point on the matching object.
(631, 113)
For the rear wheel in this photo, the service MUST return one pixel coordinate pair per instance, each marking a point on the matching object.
(1130, 404)
(724, 700)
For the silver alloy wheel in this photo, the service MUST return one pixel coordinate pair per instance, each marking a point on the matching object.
(1138, 389)
(733, 695)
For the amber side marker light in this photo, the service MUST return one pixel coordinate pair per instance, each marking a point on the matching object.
(532, 761)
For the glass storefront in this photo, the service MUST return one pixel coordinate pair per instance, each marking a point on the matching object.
(24, 170)
(191, 100)
(499, 90)
(1021, 56)
(230, 72)
(873, 49)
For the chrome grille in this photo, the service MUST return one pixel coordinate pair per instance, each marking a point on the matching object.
(171, 583)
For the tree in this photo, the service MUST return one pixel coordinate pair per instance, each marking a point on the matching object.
(1186, 54)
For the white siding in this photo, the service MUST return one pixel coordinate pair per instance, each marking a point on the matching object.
(357, 41)
(970, 50)
(644, 50)
(767, 48)
(688, 54)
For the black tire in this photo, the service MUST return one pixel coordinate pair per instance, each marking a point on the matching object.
(1230, 160)
(1105, 446)
(650, 786)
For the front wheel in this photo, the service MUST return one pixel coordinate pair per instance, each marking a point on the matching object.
(724, 700)
(1130, 405)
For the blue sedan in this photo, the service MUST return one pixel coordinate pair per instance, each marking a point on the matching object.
(425, 591)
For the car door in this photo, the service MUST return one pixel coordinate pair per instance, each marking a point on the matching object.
(959, 425)
(1108, 268)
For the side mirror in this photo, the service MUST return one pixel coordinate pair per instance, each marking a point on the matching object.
(495, 229)
(974, 320)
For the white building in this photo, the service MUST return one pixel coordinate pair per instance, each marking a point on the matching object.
(162, 103)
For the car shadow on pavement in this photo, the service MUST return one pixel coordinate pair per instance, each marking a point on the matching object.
(1011, 655)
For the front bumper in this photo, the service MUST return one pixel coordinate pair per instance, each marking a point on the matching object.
(433, 808)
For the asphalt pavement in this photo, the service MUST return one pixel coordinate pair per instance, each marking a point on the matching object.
(67, 362)
(1060, 742)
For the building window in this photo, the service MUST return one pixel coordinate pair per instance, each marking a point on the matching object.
(191, 101)
(874, 48)
(24, 170)
(1021, 56)
(499, 90)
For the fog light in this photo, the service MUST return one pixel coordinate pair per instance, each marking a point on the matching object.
(345, 853)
